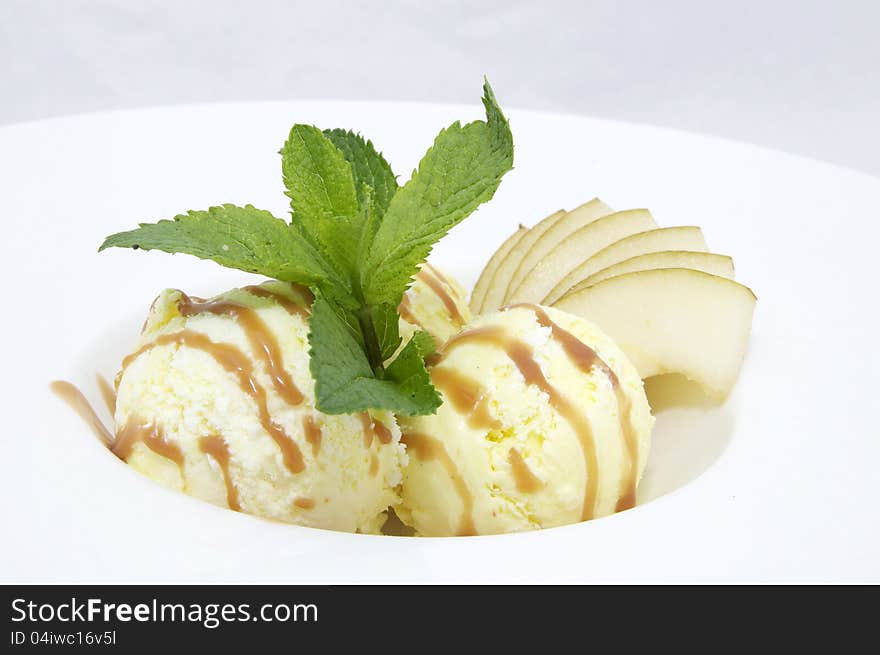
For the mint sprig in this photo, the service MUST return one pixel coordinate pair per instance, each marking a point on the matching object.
(356, 239)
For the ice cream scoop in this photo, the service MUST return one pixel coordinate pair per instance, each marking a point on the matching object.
(544, 422)
(218, 401)
(436, 303)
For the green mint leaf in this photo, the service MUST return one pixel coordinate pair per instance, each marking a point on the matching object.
(357, 239)
(367, 165)
(245, 238)
(344, 380)
(386, 322)
(458, 173)
(425, 343)
(323, 195)
(411, 378)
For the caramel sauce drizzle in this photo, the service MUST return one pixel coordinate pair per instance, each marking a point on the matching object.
(151, 435)
(428, 275)
(285, 301)
(521, 354)
(436, 273)
(406, 312)
(427, 448)
(312, 430)
(372, 428)
(383, 434)
(526, 481)
(216, 448)
(236, 362)
(467, 396)
(259, 336)
(135, 430)
(367, 428)
(74, 398)
(108, 393)
(585, 358)
(374, 465)
(304, 503)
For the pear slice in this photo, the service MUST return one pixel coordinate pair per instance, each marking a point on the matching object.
(664, 238)
(498, 286)
(579, 246)
(560, 230)
(673, 320)
(720, 265)
(488, 274)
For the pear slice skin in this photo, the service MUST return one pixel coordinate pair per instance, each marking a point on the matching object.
(498, 286)
(488, 274)
(708, 262)
(673, 320)
(580, 245)
(555, 234)
(663, 238)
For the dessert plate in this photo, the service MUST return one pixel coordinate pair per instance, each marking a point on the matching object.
(778, 484)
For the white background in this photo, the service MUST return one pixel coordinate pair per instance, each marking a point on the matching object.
(801, 76)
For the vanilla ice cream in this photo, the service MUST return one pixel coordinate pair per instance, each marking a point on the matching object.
(218, 401)
(544, 423)
(436, 303)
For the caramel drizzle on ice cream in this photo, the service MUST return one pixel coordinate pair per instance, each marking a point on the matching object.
(286, 302)
(526, 481)
(440, 286)
(372, 428)
(312, 430)
(427, 448)
(521, 354)
(236, 362)
(136, 430)
(430, 276)
(586, 359)
(406, 312)
(467, 396)
(304, 503)
(216, 448)
(78, 403)
(261, 339)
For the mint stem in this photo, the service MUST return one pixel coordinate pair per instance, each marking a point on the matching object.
(371, 340)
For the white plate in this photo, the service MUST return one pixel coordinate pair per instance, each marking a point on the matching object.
(777, 485)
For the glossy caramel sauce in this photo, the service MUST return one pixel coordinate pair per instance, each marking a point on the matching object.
(467, 396)
(108, 393)
(428, 275)
(285, 301)
(406, 312)
(427, 448)
(78, 403)
(236, 362)
(383, 434)
(216, 448)
(366, 428)
(372, 428)
(262, 340)
(520, 353)
(436, 273)
(526, 481)
(586, 359)
(136, 430)
(312, 430)
(304, 503)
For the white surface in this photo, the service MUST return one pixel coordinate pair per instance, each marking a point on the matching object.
(782, 483)
(799, 75)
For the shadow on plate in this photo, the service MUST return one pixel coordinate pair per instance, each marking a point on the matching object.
(690, 435)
